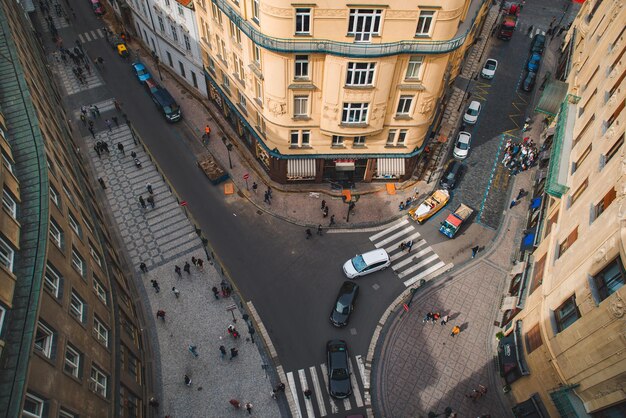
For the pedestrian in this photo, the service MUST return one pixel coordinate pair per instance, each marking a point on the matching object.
(409, 245)
(83, 108)
(530, 29)
(513, 204)
(233, 353)
(142, 202)
(273, 394)
(552, 21)
(235, 403)
(254, 187)
(193, 350)
(521, 194)
(455, 331)
(97, 149)
(200, 264)
(269, 191)
(120, 147)
(436, 317)
(93, 135)
(92, 109)
(133, 154)
(222, 351)
(216, 293)
(150, 200)
(332, 220)
(475, 251)
(104, 186)
(280, 387)
(207, 131)
(88, 68)
(95, 108)
(114, 119)
(194, 261)
(266, 198)
(156, 286)
(83, 119)
(323, 204)
(428, 317)
(176, 292)
(143, 267)
(90, 122)
(307, 393)
(153, 402)
(177, 270)
(249, 408)
(118, 105)
(308, 233)
(445, 319)
(149, 188)
(326, 212)
(161, 314)
(187, 268)
(187, 380)
(319, 229)
(105, 147)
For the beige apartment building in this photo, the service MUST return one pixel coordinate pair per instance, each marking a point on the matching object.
(564, 352)
(70, 340)
(334, 91)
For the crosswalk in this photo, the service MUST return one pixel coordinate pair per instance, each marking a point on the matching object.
(411, 266)
(91, 35)
(320, 403)
(523, 29)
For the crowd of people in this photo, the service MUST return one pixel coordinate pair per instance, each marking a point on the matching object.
(520, 157)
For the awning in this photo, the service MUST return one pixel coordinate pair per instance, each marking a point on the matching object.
(344, 166)
(535, 203)
(531, 408)
(528, 243)
(454, 220)
(552, 97)
(301, 169)
(390, 167)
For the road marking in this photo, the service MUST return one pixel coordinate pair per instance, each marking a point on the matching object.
(401, 254)
(333, 405)
(404, 221)
(87, 36)
(424, 273)
(355, 387)
(307, 402)
(100, 33)
(318, 392)
(346, 404)
(80, 38)
(394, 236)
(418, 265)
(292, 388)
(411, 258)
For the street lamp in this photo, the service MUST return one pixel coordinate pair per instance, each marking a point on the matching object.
(229, 147)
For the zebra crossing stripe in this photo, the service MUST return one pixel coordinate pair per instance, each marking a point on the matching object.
(418, 265)
(361, 367)
(424, 273)
(100, 33)
(292, 388)
(80, 38)
(307, 402)
(388, 230)
(333, 405)
(346, 404)
(394, 236)
(87, 36)
(94, 35)
(400, 254)
(318, 392)
(355, 387)
(411, 259)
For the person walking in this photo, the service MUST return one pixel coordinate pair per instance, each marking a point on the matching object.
(436, 317)
(235, 403)
(514, 203)
(222, 351)
(307, 393)
(200, 264)
(161, 314)
(266, 198)
(323, 205)
(142, 202)
(156, 286)
(194, 261)
(187, 267)
(109, 124)
(193, 350)
(308, 233)
(118, 105)
(319, 229)
(233, 353)
(97, 149)
(455, 331)
(207, 132)
(428, 317)
(249, 408)
(150, 200)
(96, 110)
(269, 191)
(280, 387)
(325, 212)
(104, 186)
(83, 119)
(216, 292)
(176, 292)
(445, 319)
(177, 270)
(91, 131)
(143, 267)
(332, 220)
(254, 187)
(120, 147)
(187, 380)
(475, 251)
(149, 188)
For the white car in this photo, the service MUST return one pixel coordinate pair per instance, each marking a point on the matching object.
(366, 263)
(471, 116)
(462, 146)
(489, 70)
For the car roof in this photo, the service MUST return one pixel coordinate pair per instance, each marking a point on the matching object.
(464, 136)
(138, 65)
(337, 344)
(375, 256)
(490, 60)
(150, 83)
(474, 104)
(454, 165)
(348, 286)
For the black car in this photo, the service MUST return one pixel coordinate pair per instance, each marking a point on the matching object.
(529, 81)
(344, 304)
(339, 385)
(451, 175)
(539, 42)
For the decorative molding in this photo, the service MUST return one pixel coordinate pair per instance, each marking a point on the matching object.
(378, 112)
(362, 96)
(330, 111)
(277, 11)
(599, 257)
(617, 7)
(276, 107)
(427, 104)
(336, 13)
(616, 307)
(449, 14)
(401, 14)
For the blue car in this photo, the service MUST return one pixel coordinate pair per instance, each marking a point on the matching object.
(533, 62)
(141, 72)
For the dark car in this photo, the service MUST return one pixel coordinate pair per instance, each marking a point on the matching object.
(529, 81)
(339, 385)
(451, 175)
(539, 42)
(344, 305)
(166, 105)
(151, 86)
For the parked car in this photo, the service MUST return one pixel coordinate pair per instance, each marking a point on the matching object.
(166, 105)
(339, 385)
(533, 62)
(366, 263)
(98, 10)
(489, 70)
(141, 72)
(344, 305)
(471, 115)
(462, 145)
(151, 86)
(529, 81)
(451, 175)
(538, 43)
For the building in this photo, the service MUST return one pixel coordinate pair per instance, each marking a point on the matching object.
(562, 354)
(69, 335)
(332, 91)
(168, 28)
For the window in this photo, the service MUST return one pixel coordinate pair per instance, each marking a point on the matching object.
(580, 160)
(33, 407)
(257, 54)
(56, 233)
(238, 64)
(303, 21)
(391, 137)
(295, 138)
(182, 69)
(94, 254)
(337, 141)
(613, 150)
(8, 203)
(354, 113)
(402, 137)
(414, 67)
(583, 186)
(52, 280)
(300, 106)
(363, 23)
(255, 10)
(78, 262)
(538, 270)
(68, 193)
(214, 9)
(7, 163)
(258, 90)
(194, 79)
(226, 82)
(3, 312)
(7, 255)
(100, 331)
(553, 219)
(180, 10)
(77, 306)
(74, 224)
(424, 23)
(603, 204)
(404, 105)
(242, 101)
(566, 314)
(86, 222)
(167, 3)
(44, 340)
(65, 414)
(222, 47)
(54, 196)
(100, 290)
(306, 138)
(360, 73)
(300, 138)
(235, 33)
(174, 32)
(98, 381)
(302, 66)
(132, 365)
(161, 24)
(533, 339)
(358, 141)
(610, 279)
(72, 361)
(187, 42)
(564, 246)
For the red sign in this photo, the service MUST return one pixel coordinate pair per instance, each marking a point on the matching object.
(246, 176)
(183, 203)
(405, 306)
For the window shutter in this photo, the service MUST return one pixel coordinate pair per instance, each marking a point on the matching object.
(592, 213)
(594, 290)
(569, 201)
(609, 197)
(573, 167)
(555, 329)
(572, 237)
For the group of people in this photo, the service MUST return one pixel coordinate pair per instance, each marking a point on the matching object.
(477, 393)
(519, 157)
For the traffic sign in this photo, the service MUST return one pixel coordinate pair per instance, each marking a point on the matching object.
(246, 176)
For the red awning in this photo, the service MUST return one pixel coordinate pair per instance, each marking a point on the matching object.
(454, 220)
